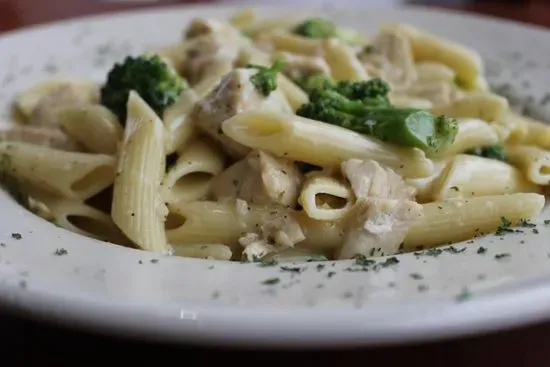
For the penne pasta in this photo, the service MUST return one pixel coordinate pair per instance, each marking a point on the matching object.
(468, 175)
(318, 143)
(325, 198)
(515, 125)
(424, 186)
(270, 25)
(178, 123)
(484, 106)
(537, 133)
(295, 96)
(83, 219)
(71, 175)
(207, 222)
(343, 62)
(190, 177)
(428, 47)
(434, 71)
(281, 40)
(137, 208)
(455, 220)
(532, 161)
(93, 126)
(472, 133)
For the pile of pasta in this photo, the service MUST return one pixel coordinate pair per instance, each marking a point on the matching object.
(238, 190)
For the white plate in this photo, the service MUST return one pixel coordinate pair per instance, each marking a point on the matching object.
(105, 287)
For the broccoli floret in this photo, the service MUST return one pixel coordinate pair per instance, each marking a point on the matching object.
(364, 107)
(265, 80)
(156, 82)
(323, 28)
(373, 92)
(493, 152)
(313, 83)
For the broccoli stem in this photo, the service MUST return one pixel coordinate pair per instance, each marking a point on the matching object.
(402, 126)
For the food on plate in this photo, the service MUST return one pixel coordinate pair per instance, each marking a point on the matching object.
(252, 138)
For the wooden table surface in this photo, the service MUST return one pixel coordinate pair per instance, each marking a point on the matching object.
(26, 343)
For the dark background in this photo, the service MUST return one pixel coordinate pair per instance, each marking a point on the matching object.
(30, 343)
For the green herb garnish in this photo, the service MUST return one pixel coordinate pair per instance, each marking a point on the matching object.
(271, 281)
(504, 227)
(492, 152)
(464, 295)
(267, 263)
(265, 80)
(363, 261)
(295, 270)
(60, 252)
(502, 256)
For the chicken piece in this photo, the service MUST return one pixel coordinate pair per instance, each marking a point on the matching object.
(383, 213)
(378, 226)
(43, 136)
(260, 178)
(299, 66)
(233, 95)
(201, 26)
(45, 112)
(255, 248)
(369, 179)
(206, 55)
(390, 57)
(279, 231)
(212, 48)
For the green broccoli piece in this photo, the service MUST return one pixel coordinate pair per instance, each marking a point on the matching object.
(323, 28)
(373, 93)
(265, 80)
(364, 107)
(493, 152)
(156, 82)
(315, 83)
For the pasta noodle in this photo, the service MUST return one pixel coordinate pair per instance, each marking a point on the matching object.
(83, 219)
(321, 198)
(468, 176)
(280, 139)
(311, 141)
(179, 127)
(471, 133)
(343, 62)
(427, 47)
(461, 219)
(94, 126)
(137, 209)
(532, 161)
(189, 179)
(72, 175)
